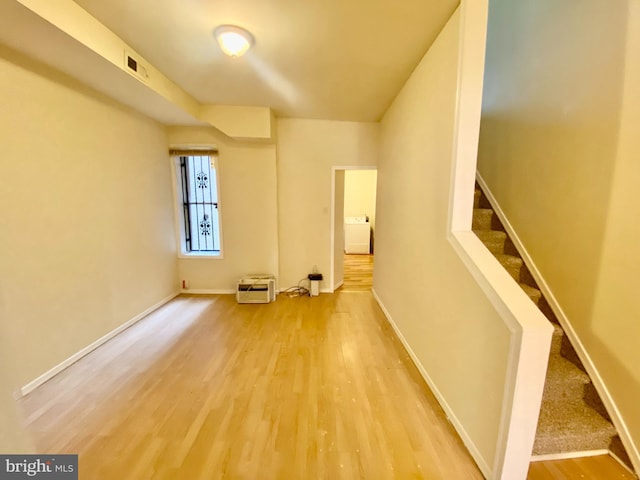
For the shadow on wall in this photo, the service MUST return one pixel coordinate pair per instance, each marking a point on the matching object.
(549, 132)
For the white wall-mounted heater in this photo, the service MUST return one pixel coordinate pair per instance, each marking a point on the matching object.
(256, 289)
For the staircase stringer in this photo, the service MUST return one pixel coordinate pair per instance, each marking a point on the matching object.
(585, 358)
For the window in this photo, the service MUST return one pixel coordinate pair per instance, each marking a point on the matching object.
(199, 205)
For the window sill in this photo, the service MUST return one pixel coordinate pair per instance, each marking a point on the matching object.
(201, 256)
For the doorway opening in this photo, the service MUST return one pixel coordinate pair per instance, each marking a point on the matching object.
(353, 228)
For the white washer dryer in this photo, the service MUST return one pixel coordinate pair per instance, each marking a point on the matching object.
(357, 234)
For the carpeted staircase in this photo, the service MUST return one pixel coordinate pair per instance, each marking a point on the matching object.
(572, 417)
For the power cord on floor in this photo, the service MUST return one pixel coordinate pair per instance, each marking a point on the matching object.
(298, 290)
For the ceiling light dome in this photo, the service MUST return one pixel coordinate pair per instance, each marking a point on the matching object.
(234, 41)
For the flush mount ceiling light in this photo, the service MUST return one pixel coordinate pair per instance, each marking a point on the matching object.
(234, 41)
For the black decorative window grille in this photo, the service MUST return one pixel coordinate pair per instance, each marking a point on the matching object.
(205, 225)
(200, 203)
(203, 180)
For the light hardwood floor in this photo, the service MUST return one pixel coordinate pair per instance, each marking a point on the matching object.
(358, 273)
(601, 467)
(303, 388)
(204, 388)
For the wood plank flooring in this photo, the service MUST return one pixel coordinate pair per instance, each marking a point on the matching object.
(204, 388)
(358, 273)
(589, 468)
(303, 388)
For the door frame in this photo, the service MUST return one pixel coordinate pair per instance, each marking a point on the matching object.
(334, 169)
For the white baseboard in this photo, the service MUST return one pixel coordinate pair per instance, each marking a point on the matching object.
(568, 455)
(468, 442)
(598, 383)
(338, 285)
(32, 385)
(205, 291)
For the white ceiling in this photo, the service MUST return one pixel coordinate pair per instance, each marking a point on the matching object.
(329, 59)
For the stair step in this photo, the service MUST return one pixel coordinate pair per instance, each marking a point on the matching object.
(492, 239)
(568, 352)
(533, 293)
(482, 219)
(556, 339)
(571, 427)
(511, 264)
(545, 308)
(592, 398)
(565, 382)
(617, 448)
(567, 422)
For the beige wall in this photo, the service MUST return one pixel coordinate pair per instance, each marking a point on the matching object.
(615, 328)
(85, 203)
(13, 437)
(457, 336)
(248, 211)
(559, 148)
(360, 194)
(307, 149)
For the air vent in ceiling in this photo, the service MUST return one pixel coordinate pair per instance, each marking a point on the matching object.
(134, 67)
